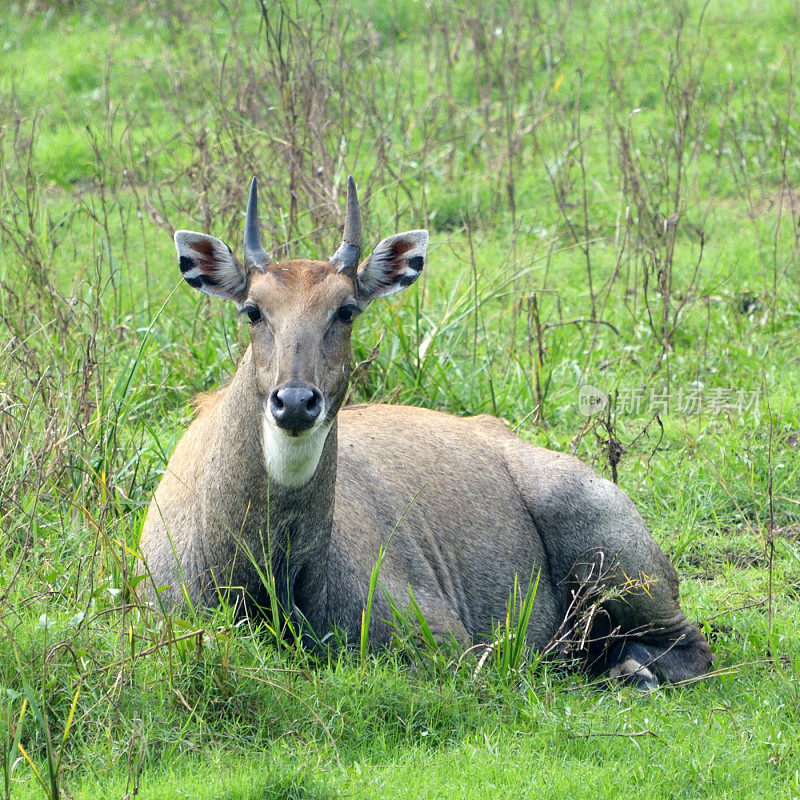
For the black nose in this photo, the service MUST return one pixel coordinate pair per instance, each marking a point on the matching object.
(295, 406)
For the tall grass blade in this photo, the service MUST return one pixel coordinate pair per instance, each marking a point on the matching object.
(11, 757)
(36, 772)
(366, 612)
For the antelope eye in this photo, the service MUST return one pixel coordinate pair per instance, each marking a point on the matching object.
(347, 313)
(253, 312)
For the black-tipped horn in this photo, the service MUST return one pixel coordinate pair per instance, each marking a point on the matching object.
(255, 256)
(345, 259)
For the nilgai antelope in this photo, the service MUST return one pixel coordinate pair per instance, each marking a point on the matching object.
(272, 477)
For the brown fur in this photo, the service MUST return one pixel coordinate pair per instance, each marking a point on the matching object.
(206, 402)
(461, 504)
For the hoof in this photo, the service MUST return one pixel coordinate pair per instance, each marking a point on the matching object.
(632, 672)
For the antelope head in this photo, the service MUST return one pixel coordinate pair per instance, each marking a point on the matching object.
(301, 316)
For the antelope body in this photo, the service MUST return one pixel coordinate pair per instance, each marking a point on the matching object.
(272, 478)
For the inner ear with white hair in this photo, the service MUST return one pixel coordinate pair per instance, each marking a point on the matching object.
(208, 264)
(394, 264)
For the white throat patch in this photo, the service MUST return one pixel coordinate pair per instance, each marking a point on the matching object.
(292, 460)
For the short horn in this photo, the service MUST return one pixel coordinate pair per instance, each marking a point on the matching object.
(255, 256)
(346, 257)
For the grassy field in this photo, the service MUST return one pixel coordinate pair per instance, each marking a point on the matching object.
(612, 194)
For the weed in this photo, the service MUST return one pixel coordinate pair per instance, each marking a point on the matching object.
(613, 202)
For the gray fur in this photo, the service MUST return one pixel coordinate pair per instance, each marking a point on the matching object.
(468, 506)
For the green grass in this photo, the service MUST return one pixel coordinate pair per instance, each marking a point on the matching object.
(502, 128)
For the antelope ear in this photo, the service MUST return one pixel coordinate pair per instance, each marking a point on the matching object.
(395, 263)
(208, 264)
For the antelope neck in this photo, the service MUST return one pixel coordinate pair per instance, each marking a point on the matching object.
(295, 522)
